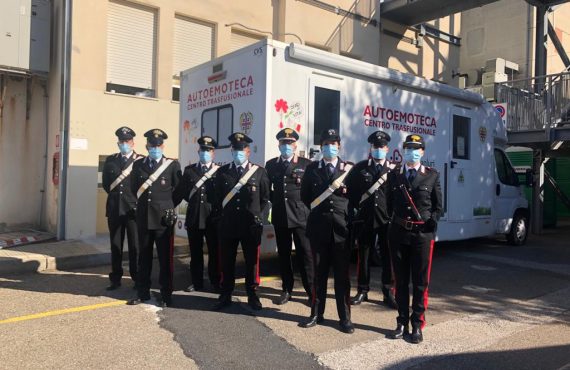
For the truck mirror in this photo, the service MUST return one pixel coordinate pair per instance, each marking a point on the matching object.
(313, 153)
(529, 178)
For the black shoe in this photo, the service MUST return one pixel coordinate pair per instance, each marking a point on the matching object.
(359, 298)
(417, 336)
(312, 321)
(190, 288)
(399, 332)
(283, 298)
(225, 300)
(165, 302)
(136, 301)
(254, 302)
(346, 326)
(390, 301)
(113, 286)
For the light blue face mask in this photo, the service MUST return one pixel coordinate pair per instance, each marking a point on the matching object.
(286, 150)
(205, 156)
(239, 157)
(378, 153)
(412, 155)
(330, 151)
(125, 148)
(155, 152)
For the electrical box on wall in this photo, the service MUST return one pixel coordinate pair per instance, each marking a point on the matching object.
(25, 35)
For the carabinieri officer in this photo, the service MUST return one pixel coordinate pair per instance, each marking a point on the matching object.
(414, 195)
(242, 193)
(121, 205)
(154, 180)
(197, 188)
(289, 214)
(324, 192)
(367, 190)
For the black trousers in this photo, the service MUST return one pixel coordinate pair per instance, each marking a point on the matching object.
(118, 227)
(336, 255)
(164, 240)
(250, 245)
(303, 258)
(196, 240)
(369, 243)
(411, 255)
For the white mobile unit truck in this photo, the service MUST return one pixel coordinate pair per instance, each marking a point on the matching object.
(270, 85)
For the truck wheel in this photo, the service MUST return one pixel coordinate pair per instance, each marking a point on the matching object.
(519, 230)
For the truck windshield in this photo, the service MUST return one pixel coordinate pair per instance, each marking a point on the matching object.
(505, 171)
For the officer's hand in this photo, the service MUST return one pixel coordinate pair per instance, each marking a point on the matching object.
(431, 225)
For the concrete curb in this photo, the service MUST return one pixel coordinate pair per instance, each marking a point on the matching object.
(14, 262)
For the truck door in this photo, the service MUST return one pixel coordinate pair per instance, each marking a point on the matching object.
(458, 199)
(507, 191)
(324, 111)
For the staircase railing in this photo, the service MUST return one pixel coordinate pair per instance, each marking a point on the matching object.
(538, 103)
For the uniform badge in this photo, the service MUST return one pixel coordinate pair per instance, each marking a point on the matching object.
(343, 190)
(253, 188)
(162, 181)
(298, 181)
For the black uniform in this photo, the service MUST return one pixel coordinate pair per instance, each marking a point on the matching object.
(151, 207)
(371, 220)
(328, 232)
(412, 240)
(201, 221)
(241, 222)
(289, 218)
(120, 212)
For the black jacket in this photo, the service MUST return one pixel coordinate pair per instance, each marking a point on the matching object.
(120, 200)
(158, 197)
(327, 222)
(287, 208)
(202, 206)
(425, 191)
(373, 211)
(244, 211)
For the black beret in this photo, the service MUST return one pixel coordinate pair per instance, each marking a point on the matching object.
(125, 133)
(155, 136)
(414, 142)
(379, 138)
(207, 142)
(239, 140)
(330, 135)
(287, 134)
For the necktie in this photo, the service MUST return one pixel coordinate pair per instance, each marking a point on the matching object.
(151, 164)
(378, 168)
(125, 159)
(240, 170)
(411, 174)
(204, 169)
(330, 169)
(285, 165)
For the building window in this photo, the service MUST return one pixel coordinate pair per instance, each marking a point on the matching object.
(240, 39)
(193, 44)
(131, 48)
(461, 137)
(219, 123)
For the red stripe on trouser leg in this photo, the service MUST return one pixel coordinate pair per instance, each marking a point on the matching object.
(257, 279)
(422, 317)
(171, 257)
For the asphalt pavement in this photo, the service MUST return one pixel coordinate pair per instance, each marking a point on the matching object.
(491, 306)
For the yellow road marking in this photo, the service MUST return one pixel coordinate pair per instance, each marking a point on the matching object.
(264, 279)
(62, 312)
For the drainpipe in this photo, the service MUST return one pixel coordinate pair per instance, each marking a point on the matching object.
(64, 113)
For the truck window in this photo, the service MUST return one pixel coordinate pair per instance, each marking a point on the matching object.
(461, 129)
(327, 112)
(505, 171)
(218, 123)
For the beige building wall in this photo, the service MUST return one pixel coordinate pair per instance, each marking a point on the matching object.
(506, 29)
